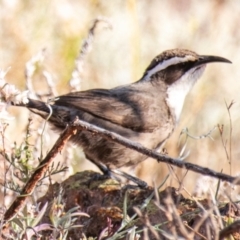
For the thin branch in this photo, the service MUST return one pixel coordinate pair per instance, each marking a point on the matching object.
(206, 135)
(145, 220)
(82, 125)
(31, 67)
(75, 80)
(50, 83)
(230, 134)
(224, 143)
(19, 202)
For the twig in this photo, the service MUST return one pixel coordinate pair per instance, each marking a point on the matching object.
(224, 143)
(228, 152)
(230, 134)
(75, 80)
(19, 202)
(50, 83)
(195, 232)
(6, 170)
(31, 67)
(206, 135)
(82, 125)
(145, 220)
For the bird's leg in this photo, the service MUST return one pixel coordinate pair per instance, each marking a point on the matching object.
(107, 172)
(104, 169)
(129, 177)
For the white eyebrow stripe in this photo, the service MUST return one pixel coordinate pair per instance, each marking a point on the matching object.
(167, 63)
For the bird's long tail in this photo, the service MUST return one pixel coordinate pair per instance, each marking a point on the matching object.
(59, 116)
(38, 107)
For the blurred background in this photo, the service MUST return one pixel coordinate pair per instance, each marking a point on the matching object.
(140, 30)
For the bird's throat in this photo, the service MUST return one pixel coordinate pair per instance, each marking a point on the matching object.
(177, 91)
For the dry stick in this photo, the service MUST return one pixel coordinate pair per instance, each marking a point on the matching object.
(76, 79)
(19, 202)
(82, 125)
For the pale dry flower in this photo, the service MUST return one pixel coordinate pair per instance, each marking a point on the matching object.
(31, 65)
(9, 94)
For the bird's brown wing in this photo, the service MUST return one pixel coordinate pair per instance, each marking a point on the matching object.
(130, 109)
(136, 113)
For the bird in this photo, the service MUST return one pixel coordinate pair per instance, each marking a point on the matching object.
(146, 111)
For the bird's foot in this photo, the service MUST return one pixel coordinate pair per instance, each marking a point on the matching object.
(111, 173)
(140, 183)
(105, 176)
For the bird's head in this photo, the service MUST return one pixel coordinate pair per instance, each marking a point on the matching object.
(179, 69)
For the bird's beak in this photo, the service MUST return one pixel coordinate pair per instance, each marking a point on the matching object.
(208, 59)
